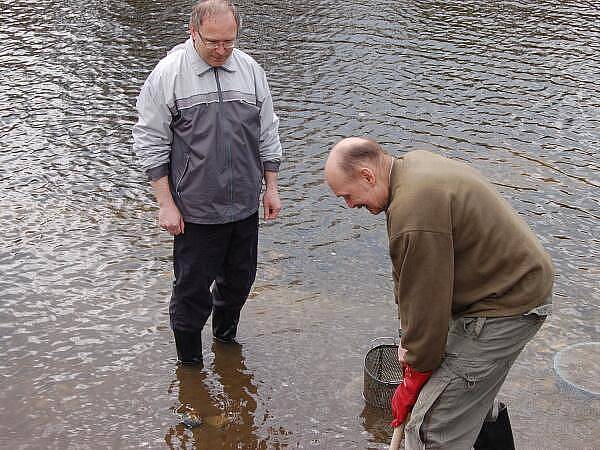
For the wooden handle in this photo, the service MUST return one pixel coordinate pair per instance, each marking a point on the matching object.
(397, 437)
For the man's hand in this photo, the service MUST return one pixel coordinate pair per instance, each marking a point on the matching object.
(170, 219)
(271, 204)
(401, 355)
(407, 392)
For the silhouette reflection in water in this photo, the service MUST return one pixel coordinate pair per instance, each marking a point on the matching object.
(376, 422)
(217, 405)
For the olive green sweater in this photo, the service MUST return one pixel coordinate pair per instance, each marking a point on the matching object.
(457, 249)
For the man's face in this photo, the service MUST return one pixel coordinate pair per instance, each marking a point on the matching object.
(215, 39)
(359, 191)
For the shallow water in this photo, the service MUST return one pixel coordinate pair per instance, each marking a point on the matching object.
(86, 355)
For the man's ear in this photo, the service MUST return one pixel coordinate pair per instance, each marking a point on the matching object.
(367, 175)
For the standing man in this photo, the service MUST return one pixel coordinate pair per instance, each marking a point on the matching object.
(472, 283)
(207, 136)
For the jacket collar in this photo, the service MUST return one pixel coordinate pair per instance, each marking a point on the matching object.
(200, 66)
(397, 164)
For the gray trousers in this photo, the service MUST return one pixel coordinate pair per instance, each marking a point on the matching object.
(452, 405)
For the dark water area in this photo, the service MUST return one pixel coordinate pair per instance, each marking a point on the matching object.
(87, 359)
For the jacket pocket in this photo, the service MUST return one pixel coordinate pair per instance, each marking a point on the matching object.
(183, 174)
(470, 370)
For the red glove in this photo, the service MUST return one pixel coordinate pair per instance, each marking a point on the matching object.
(406, 393)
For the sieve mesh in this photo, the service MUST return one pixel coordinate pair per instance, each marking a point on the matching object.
(382, 375)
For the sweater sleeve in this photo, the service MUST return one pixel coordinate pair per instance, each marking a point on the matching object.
(152, 134)
(423, 264)
(270, 146)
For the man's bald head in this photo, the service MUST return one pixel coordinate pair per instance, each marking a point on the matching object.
(352, 153)
(358, 169)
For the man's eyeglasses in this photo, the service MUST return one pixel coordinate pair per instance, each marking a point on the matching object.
(216, 44)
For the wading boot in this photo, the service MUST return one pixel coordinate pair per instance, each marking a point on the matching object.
(496, 433)
(224, 324)
(189, 347)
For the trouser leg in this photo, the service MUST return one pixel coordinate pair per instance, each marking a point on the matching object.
(198, 254)
(452, 405)
(233, 283)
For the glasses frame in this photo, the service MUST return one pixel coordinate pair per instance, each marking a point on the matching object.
(227, 45)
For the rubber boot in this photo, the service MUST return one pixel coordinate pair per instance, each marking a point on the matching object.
(496, 433)
(189, 347)
(224, 324)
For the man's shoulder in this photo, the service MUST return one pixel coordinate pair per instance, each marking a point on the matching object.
(172, 59)
(242, 56)
(244, 61)
(415, 156)
(421, 194)
(425, 169)
(168, 68)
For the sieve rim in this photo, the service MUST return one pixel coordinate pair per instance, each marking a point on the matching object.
(373, 377)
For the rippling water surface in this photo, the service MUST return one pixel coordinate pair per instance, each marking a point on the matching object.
(86, 355)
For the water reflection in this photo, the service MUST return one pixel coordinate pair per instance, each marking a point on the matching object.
(218, 404)
(376, 423)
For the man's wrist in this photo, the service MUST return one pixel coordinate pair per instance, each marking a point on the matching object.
(166, 204)
(270, 181)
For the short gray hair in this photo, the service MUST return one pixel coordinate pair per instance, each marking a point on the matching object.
(211, 8)
(363, 150)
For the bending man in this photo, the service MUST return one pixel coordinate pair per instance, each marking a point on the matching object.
(472, 283)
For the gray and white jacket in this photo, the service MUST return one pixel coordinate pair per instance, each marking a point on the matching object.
(212, 131)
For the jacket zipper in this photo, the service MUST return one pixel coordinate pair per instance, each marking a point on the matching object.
(215, 70)
(227, 146)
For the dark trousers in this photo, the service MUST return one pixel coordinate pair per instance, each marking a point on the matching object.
(225, 254)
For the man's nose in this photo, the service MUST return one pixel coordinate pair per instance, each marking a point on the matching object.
(221, 49)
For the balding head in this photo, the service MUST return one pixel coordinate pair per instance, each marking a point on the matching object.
(357, 169)
(212, 8)
(352, 153)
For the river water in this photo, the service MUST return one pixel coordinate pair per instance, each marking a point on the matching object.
(86, 355)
